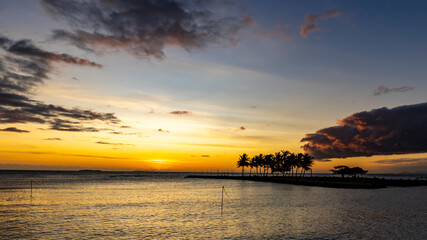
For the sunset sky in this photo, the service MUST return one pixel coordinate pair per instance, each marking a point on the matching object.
(190, 85)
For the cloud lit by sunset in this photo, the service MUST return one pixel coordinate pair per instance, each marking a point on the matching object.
(190, 85)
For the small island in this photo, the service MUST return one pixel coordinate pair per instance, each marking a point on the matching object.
(292, 168)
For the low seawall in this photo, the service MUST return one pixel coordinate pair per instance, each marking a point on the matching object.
(332, 182)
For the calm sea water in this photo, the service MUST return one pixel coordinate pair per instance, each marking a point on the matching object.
(168, 206)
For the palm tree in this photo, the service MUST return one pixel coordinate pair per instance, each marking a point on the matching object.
(252, 164)
(255, 162)
(261, 162)
(268, 159)
(291, 162)
(285, 164)
(243, 162)
(277, 162)
(306, 163)
(298, 163)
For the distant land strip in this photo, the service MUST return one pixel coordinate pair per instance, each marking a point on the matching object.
(331, 182)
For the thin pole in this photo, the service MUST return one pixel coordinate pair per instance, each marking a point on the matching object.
(222, 199)
(31, 183)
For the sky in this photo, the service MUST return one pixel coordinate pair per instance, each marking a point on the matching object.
(190, 85)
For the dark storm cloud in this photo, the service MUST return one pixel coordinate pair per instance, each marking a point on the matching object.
(380, 90)
(14, 129)
(23, 68)
(310, 21)
(383, 131)
(180, 113)
(143, 28)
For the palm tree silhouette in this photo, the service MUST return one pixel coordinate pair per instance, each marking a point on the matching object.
(285, 165)
(255, 162)
(243, 162)
(269, 162)
(277, 162)
(306, 163)
(291, 160)
(261, 162)
(298, 163)
(284, 162)
(252, 164)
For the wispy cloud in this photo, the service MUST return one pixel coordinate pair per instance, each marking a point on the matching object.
(322, 160)
(70, 126)
(115, 144)
(24, 67)
(311, 21)
(402, 161)
(276, 34)
(383, 131)
(14, 129)
(180, 113)
(126, 133)
(69, 155)
(381, 90)
(27, 48)
(144, 28)
(53, 139)
(162, 130)
(212, 145)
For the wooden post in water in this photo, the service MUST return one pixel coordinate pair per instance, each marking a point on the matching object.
(31, 183)
(222, 199)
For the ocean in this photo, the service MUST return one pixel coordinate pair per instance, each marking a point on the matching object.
(142, 205)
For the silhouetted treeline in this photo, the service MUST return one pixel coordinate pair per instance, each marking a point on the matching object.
(283, 162)
(345, 170)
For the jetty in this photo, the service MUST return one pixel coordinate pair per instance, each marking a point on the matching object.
(331, 182)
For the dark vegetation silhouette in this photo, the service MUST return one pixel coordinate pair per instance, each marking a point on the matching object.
(350, 171)
(289, 168)
(243, 162)
(282, 163)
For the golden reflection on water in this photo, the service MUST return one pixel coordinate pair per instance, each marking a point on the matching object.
(168, 206)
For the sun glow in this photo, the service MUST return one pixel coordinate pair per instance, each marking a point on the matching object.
(160, 164)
